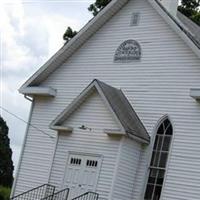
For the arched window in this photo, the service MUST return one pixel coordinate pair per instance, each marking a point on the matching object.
(159, 160)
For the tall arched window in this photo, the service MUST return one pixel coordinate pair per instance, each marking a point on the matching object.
(159, 160)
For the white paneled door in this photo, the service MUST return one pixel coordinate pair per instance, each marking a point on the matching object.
(82, 174)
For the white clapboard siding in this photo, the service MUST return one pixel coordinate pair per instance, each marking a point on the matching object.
(93, 114)
(156, 85)
(35, 165)
(128, 165)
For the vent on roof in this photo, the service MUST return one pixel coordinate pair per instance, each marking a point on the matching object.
(135, 19)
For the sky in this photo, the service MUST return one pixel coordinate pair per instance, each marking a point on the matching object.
(30, 33)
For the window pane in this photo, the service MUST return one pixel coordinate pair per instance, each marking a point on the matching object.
(149, 192)
(155, 143)
(169, 130)
(155, 159)
(161, 130)
(152, 176)
(158, 142)
(166, 123)
(163, 160)
(157, 193)
(166, 143)
(160, 177)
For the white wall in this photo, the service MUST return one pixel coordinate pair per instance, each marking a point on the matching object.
(93, 114)
(126, 173)
(158, 84)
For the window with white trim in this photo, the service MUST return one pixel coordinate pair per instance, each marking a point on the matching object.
(159, 160)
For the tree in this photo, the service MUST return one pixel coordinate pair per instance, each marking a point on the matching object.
(69, 34)
(192, 4)
(96, 7)
(6, 164)
(190, 8)
(196, 18)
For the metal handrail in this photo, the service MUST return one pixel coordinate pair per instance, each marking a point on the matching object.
(35, 193)
(87, 196)
(60, 195)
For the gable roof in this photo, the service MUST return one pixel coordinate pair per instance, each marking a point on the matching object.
(190, 33)
(117, 103)
(191, 27)
(94, 25)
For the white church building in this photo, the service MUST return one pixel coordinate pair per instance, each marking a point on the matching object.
(117, 110)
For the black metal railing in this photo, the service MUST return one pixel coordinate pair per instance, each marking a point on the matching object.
(61, 195)
(87, 196)
(36, 193)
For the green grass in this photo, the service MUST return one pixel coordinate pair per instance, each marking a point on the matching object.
(4, 193)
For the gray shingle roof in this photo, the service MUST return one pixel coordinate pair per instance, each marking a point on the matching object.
(193, 28)
(188, 31)
(124, 111)
(119, 105)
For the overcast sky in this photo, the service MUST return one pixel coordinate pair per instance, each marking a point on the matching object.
(30, 32)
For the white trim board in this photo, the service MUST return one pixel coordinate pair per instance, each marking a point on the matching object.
(195, 93)
(42, 91)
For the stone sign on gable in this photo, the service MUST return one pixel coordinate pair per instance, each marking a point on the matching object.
(129, 50)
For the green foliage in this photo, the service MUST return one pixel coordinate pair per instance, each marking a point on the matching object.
(96, 7)
(190, 4)
(6, 164)
(190, 8)
(69, 34)
(196, 18)
(4, 193)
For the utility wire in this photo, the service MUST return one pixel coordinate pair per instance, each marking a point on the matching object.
(19, 118)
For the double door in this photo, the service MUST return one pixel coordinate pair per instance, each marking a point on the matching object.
(82, 174)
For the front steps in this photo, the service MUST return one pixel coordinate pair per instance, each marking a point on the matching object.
(47, 192)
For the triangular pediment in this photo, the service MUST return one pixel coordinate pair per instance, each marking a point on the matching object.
(116, 103)
(93, 26)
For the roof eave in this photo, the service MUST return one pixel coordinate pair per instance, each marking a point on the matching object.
(139, 139)
(195, 93)
(114, 132)
(62, 129)
(38, 91)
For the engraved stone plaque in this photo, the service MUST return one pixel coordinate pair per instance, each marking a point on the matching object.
(128, 51)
